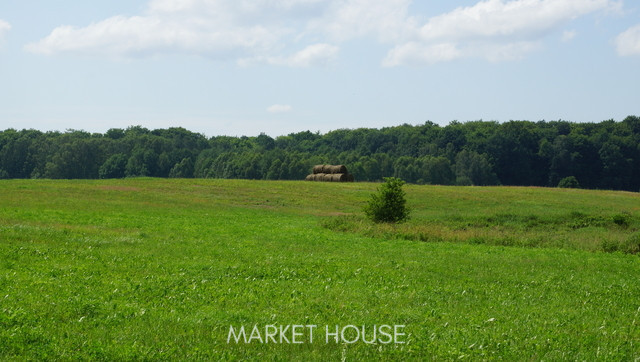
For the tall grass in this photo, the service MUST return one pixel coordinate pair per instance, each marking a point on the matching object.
(513, 216)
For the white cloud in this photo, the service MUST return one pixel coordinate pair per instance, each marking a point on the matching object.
(280, 108)
(386, 20)
(491, 29)
(628, 42)
(313, 55)
(143, 35)
(224, 29)
(250, 31)
(274, 31)
(510, 19)
(4, 28)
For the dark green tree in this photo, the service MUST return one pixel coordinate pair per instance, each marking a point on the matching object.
(182, 169)
(473, 167)
(600, 155)
(114, 166)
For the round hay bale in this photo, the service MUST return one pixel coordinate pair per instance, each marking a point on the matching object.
(327, 177)
(339, 169)
(338, 177)
(326, 168)
(318, 177)
(309, 178)
(318, 168)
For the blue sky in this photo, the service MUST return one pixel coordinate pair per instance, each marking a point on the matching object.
(242, 67)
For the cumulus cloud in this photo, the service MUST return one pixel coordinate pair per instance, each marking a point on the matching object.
(121, 36)
(491, 29)
(247, 31)
(385, 20)
(4, 28)
(279, 108)
(628, 42)
(305, 33)
(226, 29)
(509, 19)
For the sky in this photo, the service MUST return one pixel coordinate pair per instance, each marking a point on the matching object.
(245, 67)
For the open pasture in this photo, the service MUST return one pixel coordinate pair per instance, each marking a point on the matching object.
(160, 269)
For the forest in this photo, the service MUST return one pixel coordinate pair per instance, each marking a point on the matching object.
(604, 155)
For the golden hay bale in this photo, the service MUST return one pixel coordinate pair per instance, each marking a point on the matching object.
(338, 177)
(330, 173)
(333, 169)
(339, 169)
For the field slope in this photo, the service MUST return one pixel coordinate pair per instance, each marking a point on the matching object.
(159, 269)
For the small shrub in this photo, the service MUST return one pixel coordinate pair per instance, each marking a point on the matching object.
(609, 246)
(632, 245)
(629, 246)
(569, 183)
(389, 204)
(621, 220)
(588, 221)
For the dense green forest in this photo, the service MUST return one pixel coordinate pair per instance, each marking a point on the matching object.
(603, 155)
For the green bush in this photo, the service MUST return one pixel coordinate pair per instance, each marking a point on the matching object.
(632, 245)
(610, 246)
(569, 183)
(622, 220)
(389, 204)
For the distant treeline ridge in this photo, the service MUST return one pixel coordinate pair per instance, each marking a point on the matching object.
(604, 155)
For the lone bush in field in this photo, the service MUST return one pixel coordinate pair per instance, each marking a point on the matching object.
(569, 183)
(389, 204)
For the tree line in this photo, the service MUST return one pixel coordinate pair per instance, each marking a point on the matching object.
(604, 155)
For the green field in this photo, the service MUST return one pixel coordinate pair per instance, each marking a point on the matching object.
(160, 269)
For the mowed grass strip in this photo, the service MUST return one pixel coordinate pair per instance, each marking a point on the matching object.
(159, 269)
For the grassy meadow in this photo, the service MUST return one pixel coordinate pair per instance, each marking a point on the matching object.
(160, 269)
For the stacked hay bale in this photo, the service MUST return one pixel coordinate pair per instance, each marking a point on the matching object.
(330, 173)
